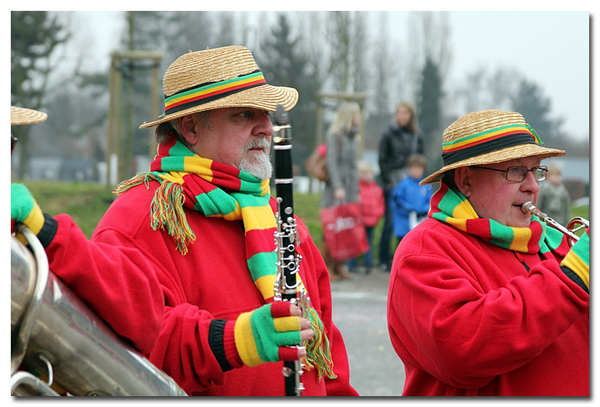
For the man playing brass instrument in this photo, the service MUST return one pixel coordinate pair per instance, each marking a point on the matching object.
(485, 299)
(131, 303)
(203, 217)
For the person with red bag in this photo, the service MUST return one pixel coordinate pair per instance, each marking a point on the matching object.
(372, 206)
(342, 186)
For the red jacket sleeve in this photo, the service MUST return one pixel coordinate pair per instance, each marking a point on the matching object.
(115, 279)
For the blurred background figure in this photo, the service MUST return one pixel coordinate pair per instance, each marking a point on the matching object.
(372, 205)
(342, 162)
(554, 198)
(402, 138)
(409, 200)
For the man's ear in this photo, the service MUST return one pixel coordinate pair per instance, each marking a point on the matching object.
(188, 128)
(462, 179)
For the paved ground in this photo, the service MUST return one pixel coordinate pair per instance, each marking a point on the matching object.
(359, 311)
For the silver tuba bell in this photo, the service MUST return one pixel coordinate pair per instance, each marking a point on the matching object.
(60, 347)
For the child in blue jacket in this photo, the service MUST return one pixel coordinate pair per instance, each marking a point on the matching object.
(409, 200)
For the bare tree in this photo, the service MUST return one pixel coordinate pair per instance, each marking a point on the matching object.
(312, 25)
(429, 36)
(360, 57)
(339, 37)
(386, 68)
(35, 38)
(501, 85)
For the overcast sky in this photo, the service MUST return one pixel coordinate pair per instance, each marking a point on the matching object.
(550, 48)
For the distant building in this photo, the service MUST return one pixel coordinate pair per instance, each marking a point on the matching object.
(573, 168)
(575, 174)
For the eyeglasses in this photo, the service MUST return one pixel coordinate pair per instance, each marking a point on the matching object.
(518, 174)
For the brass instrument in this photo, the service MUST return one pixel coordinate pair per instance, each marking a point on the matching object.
(576, 224)
(60, 347)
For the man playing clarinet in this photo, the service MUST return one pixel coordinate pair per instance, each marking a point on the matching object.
(204, 217)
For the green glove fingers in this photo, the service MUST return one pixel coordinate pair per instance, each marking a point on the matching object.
(578, 259)
(262, 335)
(24, 209)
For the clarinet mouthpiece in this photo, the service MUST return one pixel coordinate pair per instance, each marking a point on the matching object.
(281, 116)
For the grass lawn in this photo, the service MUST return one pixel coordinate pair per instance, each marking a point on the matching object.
(87, 202)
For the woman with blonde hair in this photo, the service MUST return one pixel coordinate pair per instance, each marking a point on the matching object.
(342, 162)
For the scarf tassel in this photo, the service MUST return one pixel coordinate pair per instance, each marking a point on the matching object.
(318, 354)
(166, 209)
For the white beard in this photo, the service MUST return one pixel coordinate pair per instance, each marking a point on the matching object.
(260, 164)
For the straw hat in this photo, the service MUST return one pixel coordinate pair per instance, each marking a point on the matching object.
(219, 78)
(21, 115)
(487, 137)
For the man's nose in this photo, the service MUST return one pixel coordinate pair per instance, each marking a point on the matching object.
(263, 126)
(530, 184)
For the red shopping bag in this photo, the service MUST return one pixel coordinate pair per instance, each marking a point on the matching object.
(344, 232)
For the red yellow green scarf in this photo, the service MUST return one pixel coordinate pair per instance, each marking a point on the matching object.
(450, 206)
(219, 190)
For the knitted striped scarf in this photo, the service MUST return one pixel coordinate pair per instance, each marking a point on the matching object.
(219, 190)
(452, 207)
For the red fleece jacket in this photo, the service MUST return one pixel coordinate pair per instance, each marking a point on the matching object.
(212, 281)
(372, 202)
(114, 278)
(467, 318)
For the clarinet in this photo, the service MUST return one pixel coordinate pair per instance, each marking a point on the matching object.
(286, 239)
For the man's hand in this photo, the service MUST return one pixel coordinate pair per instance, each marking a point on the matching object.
(24, 209)
(264, 334)
(577, 261)
(339, 194)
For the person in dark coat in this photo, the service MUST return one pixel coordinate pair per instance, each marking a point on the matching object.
(401, 139)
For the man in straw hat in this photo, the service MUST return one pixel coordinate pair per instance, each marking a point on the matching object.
(204, 218)
(485, 299)
(118, 283)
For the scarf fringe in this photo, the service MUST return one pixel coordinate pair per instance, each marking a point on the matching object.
(166, 209)
(318, 353)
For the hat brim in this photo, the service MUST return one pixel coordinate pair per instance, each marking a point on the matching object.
(21, 115)
(265, 97)
(499, 156)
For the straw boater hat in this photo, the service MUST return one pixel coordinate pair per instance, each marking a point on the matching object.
(21, 116)
(488, 137)
(218, 78)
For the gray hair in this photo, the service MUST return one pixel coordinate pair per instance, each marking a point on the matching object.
(165, 131)
(448, 178)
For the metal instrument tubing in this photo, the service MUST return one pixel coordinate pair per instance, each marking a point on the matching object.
(30, 381)
(569, 231)
(52, 329)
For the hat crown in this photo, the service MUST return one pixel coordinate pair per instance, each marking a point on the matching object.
(478, 122)
(488, 137)
(207, 66)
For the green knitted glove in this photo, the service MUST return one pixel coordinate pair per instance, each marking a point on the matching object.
(24, 209)
(577, 261)
(262, 335)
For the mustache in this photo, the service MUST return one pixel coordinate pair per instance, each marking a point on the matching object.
(259, 143)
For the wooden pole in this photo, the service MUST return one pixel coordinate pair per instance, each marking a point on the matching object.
(154, 107)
